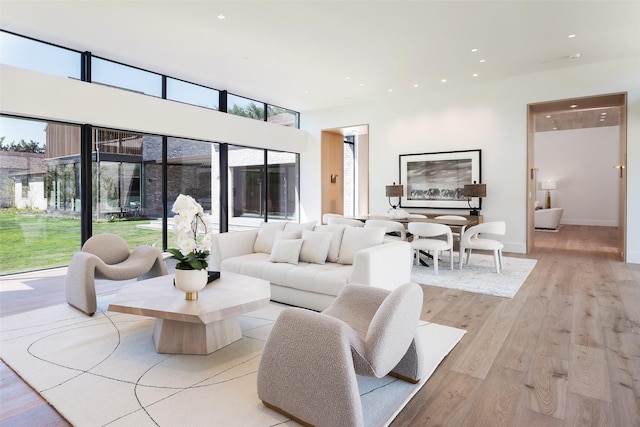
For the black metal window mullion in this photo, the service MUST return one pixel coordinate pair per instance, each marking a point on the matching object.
(165, 195)
(222, 101)
(265, 191)
(85, 66)
(224, 187)
(86, 183)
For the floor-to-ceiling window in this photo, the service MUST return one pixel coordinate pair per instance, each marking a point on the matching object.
(349, 173)
(193, 170)
(39, 194)
(124, 191)
(126, 198)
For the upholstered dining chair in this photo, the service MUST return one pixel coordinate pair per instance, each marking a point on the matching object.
(456, 234)
(422, 241)
(393, 229)
(345, 221)
(325, 217)
(310, 360)
(107, 256)
(471, 240)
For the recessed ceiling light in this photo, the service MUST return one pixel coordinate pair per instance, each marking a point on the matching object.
(221, 16)
(548, 117)
(474, 75)
(390, 90)
(603, 113)
(361, 84)
(571, 36)
(573, 106)
(474, 50)
(483, 60)
(415, 85)
(348, 78)
(443, 80)
(306, 91)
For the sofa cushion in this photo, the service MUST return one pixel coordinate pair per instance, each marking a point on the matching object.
(337, 230)
(266, 235)
(357, 238)
(286, 250)
(315, 246)
(326, 279)
(299, 227)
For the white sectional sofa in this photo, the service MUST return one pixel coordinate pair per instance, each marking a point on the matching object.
(308, 265)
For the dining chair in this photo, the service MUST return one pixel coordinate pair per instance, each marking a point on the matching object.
(456, 234)
(393, 229)
(325, 217)
(422, 241)
(471, 240)
(345, 221)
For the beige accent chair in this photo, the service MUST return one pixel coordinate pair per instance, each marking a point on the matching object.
(422, 241)
(393, 229)
(345, 221)
(107, 256)
(471, 240)
(310, 361)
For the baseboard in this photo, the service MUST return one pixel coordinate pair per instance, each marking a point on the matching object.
(590, 222)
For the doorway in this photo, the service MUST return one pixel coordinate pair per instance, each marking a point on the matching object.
(345, 170)
(585, 121)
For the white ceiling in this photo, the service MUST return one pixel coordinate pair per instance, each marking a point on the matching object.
(299, 54)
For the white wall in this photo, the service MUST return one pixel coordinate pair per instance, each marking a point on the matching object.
(491, 116)
(581, 161)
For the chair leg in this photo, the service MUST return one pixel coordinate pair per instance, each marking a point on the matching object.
(451, 258)
(496, 258)
(435, 261)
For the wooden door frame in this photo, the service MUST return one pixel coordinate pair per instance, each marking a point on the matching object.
(589, 102)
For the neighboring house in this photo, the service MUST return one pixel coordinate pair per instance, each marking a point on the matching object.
(22, 180)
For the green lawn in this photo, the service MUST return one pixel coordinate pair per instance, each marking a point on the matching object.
(36, 241)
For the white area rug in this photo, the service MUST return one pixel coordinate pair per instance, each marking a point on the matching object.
(478, 276)
(103, 370)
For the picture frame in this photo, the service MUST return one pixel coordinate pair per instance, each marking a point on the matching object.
(436, 180)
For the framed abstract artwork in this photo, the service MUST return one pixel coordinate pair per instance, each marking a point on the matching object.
(436, 180)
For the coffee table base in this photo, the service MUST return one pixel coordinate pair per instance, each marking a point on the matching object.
(175, 337)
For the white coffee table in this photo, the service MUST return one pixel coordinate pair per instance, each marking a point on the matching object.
(199, 326)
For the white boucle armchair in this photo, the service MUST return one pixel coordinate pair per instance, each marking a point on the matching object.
(309, 364)
(107, 256)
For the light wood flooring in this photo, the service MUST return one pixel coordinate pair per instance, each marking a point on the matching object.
(565, 351)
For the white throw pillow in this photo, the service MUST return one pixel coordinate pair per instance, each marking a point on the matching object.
(315, 246)
(286, 250)
(266, 235)
(358, 238)
(337, 230)
(299, 227)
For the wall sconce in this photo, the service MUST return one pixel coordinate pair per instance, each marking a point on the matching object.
(548, 185)
(474, 190)
(334, 178)
(394, 191)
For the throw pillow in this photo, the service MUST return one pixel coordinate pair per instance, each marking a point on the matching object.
(266, 235)
(357, 238)
(286, 250)
(337, 231)
(315, 246)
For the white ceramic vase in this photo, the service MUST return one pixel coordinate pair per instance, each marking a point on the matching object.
(190, 282)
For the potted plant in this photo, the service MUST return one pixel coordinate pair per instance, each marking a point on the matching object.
(193, 230)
